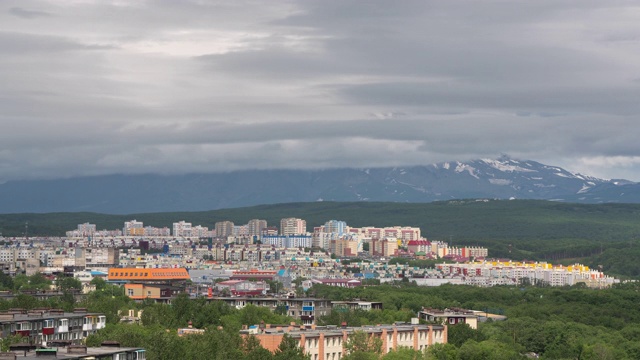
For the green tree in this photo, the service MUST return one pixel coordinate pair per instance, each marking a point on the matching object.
(441, 352)
(361, 345)
(253, 350)
(99, 283)
(65, 283)
(404, 353)
(289, 349)
(458, 334)
(7, 341)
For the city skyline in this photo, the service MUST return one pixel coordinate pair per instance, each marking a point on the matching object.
(131, 87)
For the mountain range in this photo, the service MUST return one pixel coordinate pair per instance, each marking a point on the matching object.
(502, 178)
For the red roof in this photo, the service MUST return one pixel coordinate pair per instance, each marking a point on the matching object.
(418, 242)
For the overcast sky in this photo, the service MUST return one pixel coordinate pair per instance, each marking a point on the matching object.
(101, 87)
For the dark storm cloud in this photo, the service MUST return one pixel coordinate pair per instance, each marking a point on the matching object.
(97, 87)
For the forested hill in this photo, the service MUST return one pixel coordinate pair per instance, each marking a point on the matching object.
(456, 220)
(518, 229)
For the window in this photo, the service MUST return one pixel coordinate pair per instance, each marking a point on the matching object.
(47, 324)
(130, 292)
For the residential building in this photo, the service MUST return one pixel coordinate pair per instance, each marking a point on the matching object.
(293, 226)
(182, 229)
(450, 316)
(305, 309)
(357, 305)
(224, 229)
(256, 226)
(42, 326)
(329, 342)
(133, 228)
(243, 287)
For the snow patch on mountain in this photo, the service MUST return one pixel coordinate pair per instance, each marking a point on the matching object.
(464, 167)
(506, 166)
(500, 181)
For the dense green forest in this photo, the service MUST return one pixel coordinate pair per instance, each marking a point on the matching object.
(552, 323)
(602, 234)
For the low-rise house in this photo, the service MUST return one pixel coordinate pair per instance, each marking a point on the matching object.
(349, 283)
(357, 305)
(450, 316)
(243, 287)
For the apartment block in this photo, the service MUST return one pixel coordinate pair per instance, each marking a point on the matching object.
(304, 309)
(293, 226)
(224, 229)
(51, 325)
(182, 229)
(328, 342)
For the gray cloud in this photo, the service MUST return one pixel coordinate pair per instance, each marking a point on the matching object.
(27, 14)
(98, 87)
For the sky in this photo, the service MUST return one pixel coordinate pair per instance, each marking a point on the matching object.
(102, 87)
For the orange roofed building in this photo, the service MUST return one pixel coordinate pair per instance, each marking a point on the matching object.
(158, 284)
(148, 275)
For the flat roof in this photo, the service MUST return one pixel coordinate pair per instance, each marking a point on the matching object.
(91, 352)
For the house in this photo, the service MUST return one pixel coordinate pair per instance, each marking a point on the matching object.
(357, 304)
(349, 283)
(304, 309)
(450, 316)
(243, 287)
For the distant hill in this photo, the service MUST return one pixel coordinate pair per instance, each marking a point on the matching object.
(503, 178)
(597, 234)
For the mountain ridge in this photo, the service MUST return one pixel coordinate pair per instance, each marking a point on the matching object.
(502, 178)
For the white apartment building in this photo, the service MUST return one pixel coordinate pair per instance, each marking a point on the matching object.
(293, 226)
(182, 229)
(133, 228)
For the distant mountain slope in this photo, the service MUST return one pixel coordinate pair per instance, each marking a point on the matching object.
(502, 178)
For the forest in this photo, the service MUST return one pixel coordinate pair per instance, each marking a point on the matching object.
(550, 323)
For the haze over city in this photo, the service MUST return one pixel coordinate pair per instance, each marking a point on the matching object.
(105, 87)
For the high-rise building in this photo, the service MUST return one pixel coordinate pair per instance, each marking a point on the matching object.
(224, 228)
(133, 228)
(181, 229)
(87, 229)
(256, 226)
(335, 226)
(293, 226)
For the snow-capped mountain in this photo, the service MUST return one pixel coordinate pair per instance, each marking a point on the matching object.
(502, 178)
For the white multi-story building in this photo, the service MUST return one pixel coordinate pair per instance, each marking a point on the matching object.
(293, 226)
(182, 229)
(133, 228)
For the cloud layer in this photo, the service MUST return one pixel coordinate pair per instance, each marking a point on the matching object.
(100, 87)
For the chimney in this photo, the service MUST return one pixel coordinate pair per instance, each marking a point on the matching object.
(344, 324)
